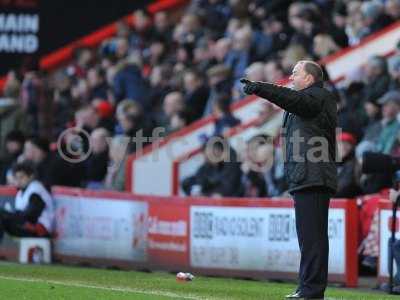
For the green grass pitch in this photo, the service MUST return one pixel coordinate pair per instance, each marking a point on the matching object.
(59, 282)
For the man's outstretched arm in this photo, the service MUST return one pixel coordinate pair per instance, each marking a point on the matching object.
(296, 102)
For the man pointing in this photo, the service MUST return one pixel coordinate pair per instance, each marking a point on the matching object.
(308, 135)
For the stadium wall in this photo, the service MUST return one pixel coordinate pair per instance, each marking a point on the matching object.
(232, 237)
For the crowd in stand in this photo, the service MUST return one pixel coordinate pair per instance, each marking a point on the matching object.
(167, 73)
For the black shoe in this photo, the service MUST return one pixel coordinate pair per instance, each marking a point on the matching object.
(299, 295)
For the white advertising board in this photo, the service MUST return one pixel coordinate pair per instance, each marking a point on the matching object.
(256, 239)
(101, 228)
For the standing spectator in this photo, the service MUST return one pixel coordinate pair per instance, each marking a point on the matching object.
(34, 207)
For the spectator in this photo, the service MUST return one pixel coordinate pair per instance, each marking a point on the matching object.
(224, 117)
(324, 45)
(115, 178)
(219, 80)
(178, 121)
(390, 125)
(348, 186)
(392, 9)
(273, 71)
(220, 174)
(162, 25)
(395, 75)
(173, 103)
(82, 59)
(128, 83)
(253, 180)
(14, 144)
(377, 78)
(98, 87)
(37, 152)
(142, 30)
(132, 123)
(239, 56)
(196, 93)
(160, 83)
(87, 118)
(34, 209)
(105, 113)
(97, 163)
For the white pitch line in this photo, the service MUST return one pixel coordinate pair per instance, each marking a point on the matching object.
(115, 289)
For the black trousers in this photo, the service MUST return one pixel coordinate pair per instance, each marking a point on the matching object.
(16, 225)
(311, 209)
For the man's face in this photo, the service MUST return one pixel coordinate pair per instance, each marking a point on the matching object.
(300, 78)
(22, 180)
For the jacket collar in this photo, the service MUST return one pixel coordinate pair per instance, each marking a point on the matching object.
(319, 84)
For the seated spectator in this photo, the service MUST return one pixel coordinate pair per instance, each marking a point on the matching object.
(219, 176)
(97, 163)
(223, 115)
(239, 57)
(196, 93)
(14, 145)
(172, 104)
(254, 72)
(390, 108)
(105, 112)
(87, 118)
(395, 74)
(115, 178)
(377, 78)
(132, 122)
(128, 83)
(220, 82)
(98, 87)
(37, 152)
(348, 186)
(178, 121)
(253, 180)
(52, 168)
(273, 71)
(34, 209)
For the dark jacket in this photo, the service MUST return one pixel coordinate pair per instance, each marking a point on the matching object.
(223, 178)
(348, 186)
(310, 113)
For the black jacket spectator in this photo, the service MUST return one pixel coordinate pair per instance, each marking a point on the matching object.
(220, 175)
